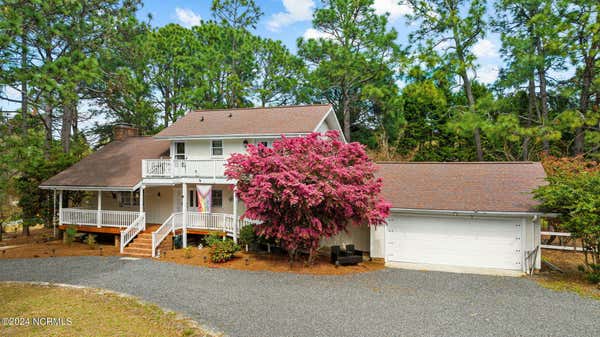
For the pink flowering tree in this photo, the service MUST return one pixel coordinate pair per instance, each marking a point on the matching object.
(308, 188)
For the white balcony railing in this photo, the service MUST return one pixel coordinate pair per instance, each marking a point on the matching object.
(92, 217)
(167, 168)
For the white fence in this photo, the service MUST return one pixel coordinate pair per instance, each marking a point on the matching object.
(89, 217)
(561, 246)
(167, 168)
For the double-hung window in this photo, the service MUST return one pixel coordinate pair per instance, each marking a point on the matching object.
(129, 199)
(179, 150)
(216, 149)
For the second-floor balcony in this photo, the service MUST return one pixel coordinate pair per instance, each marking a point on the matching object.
(183, 168)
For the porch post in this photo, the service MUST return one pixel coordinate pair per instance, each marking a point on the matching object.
(235, 216)
(54, 213)
(172, 155)
(60, 202)
(185, 219)
(142, 203)
(99, 218)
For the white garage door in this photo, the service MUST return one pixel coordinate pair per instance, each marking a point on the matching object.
(454, 241)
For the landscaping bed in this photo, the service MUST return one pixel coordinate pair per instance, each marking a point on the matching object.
(266, 262)
(571, 279)
(85, 312)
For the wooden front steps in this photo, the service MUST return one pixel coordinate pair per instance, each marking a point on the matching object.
(141, 245)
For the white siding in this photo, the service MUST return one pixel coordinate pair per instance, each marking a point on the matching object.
(358, 236)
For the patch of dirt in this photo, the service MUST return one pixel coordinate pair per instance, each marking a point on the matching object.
(37, 245)
(267, 262)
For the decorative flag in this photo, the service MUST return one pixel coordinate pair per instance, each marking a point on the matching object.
(204, 197)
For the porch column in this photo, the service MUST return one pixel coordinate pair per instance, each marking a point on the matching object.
(172, 155)
(142, 203)
(99, 218)
(236, 228)
(185, 219)
(54, 213)
(60, 202)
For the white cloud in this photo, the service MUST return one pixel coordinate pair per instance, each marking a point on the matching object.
(485, 49)
(187, 17)
(392, 7)
(487, 74)
(312, 33)
(296, 11)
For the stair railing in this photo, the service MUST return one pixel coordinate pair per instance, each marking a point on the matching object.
(138, 225)
(161, 233)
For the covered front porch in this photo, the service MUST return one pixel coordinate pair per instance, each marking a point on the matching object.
(151, 213)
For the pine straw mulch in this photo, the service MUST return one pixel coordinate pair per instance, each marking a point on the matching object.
(267, 262)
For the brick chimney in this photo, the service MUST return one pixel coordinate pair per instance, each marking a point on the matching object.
(122, 131)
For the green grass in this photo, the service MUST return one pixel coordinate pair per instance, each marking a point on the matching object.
(570, 285)
(92, 313)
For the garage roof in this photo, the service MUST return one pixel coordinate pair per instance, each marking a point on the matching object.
(462, 186)
(117, 164)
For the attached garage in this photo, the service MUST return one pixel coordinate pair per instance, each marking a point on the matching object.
(463, 217)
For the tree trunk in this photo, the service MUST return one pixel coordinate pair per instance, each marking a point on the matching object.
(24, 89)
(584, 100)
(530, 112)
(65, 132)
(541, 69)
(49, 129)
(346, 114)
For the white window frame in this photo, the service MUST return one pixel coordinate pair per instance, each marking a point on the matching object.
(212, 198)
(212, 148)
(177, 155)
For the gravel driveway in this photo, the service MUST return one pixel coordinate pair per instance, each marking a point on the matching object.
(384, 303)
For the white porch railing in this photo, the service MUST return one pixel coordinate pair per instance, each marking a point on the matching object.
(167, 168)
(196, 220)
(103, 218)
(138, 225)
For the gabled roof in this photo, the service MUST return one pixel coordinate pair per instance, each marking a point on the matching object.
(462, 186)
(117, 165)
(299, 119)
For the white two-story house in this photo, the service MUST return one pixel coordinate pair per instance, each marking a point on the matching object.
(146, 186)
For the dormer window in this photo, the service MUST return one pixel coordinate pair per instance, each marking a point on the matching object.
(216, 149)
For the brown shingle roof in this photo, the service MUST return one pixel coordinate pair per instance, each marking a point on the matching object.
(248, 121)
(117, 164)
(475, 186)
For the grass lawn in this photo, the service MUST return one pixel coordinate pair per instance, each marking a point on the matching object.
(91, 313)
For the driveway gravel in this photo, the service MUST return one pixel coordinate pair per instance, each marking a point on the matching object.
(390, 302)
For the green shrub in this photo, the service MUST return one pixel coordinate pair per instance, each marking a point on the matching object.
(222, 251)
(211, 239)
(187, 252)
(70, 233)
(247, 235)
(90, 240)
(593, 275)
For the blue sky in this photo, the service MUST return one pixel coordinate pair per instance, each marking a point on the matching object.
(286, 20)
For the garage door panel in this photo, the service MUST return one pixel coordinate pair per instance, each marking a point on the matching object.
(456, 241)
